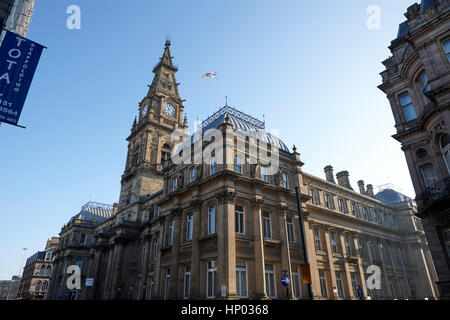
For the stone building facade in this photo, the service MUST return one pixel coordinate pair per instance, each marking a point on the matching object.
(9, 288)
(224, 223)
(416, 81)
(74, 248)
(37, 272)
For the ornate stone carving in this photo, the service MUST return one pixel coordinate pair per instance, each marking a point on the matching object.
(227, 196)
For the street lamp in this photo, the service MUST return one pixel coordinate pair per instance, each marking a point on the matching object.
(20, 270)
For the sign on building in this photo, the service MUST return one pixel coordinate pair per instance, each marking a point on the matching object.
(19, 58)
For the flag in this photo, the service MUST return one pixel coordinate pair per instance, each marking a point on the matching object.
(210, 75)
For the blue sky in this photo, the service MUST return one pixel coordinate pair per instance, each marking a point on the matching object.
(312, 68)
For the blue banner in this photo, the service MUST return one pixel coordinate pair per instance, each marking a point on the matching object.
(19, 58)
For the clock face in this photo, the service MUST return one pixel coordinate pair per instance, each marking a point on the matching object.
(144, 110)
(169, 110)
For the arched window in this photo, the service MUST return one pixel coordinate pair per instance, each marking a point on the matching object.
(44, 286)
(445, 149)
(48, 271)
(42, 271)
(38, 286)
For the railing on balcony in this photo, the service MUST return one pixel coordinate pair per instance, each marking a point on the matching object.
(436, 191)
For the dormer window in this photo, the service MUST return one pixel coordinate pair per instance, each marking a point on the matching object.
(175, 184)
(407, 106)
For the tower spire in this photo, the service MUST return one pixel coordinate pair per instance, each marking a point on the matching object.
(164, 80)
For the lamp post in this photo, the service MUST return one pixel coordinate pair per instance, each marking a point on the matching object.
(20, 270)
(302, 233)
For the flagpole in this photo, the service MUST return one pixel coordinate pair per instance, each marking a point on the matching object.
(217, 93)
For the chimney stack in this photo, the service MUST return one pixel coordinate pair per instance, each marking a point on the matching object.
(370, 191)
(362, 188)
(329, 174)
(343, 179)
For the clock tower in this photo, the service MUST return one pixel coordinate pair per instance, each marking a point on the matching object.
(149, 144)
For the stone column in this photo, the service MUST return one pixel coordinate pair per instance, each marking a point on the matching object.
(117, 274)
(285, 251)
(226, 243)
(258, 240)
(144, 276)
(195, 257)
(174, 266)
(312, 259)
(159, 282)
(360, 268)
(108, 275)
(345, 255)
(331, 261)
(384, 277)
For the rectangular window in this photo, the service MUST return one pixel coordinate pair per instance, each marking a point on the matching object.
(174, 184)
(237, 165)
(212, 166)
(296, 284)
(326, 198)
(189, 227)
(151, 284)
(348, 245)
(187, 281)
(323, 284)
(143, 253)
(403, 255)
(341, 205)
(211, 279)
(402, 288)
(383, 252)
(339, 285)
(365, 213)
(317, 239)
(212, 220)
(373, 251)
(241, 279)
(407, 106)
(446, 46)
(170, 235)
(290, 229)
(240, 219)
(333, 242)
(362, 253)
(192, 175)
(355, 284)
(311, 194)
(353, 206)
(263, 171)
(158, 211)
(83, 238)
(285, 180)
(391, 286)
(267, 226)
(155, 249)
(429, 175)
(270, 280)
(376, 216)
(167, 284)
